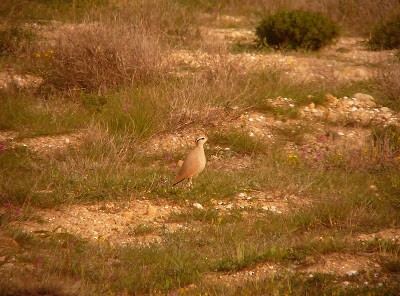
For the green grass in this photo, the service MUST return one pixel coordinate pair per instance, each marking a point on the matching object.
(185, 256)
(32, 116)
(116, 111)
(239, 142)
(46, 10)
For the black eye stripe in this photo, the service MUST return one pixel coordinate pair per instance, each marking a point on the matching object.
(198, 139)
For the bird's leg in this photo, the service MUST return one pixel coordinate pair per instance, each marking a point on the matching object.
(190, 183)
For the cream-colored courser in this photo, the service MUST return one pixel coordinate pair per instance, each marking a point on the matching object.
(193, 164)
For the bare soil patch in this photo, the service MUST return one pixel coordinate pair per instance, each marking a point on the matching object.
(264, 202)
(125, 222)
(43, 144)
(343, 264)
(391, 234)
(258, 272)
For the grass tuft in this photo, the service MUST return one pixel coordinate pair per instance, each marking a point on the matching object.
(239, 142)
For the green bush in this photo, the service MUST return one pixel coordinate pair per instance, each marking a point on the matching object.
(386, 34)
(296, 29)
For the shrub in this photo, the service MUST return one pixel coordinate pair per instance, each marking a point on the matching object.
(97, 57)
(14, 39)
(386, 142)
(296, 29)
(386, 34)
(387, 79)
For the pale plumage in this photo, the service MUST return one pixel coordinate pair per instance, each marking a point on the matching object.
(193, 164)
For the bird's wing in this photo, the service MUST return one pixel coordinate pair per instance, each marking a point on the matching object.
(191, 166)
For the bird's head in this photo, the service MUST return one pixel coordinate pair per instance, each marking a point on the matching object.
(201, 140)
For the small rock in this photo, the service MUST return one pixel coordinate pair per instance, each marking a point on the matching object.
(331, 116)
(363, 97)
(242, 195)
(271, 209)
(128, 215)
(198, 206)
(352, 272)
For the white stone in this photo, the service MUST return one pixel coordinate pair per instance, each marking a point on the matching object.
(352, 272)
(198, 206)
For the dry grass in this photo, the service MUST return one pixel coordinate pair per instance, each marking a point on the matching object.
(357, 17)
(99, 56)
(127, 93)
(388, 83)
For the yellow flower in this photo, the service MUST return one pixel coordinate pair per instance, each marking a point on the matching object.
(339, 154)
(37, 54)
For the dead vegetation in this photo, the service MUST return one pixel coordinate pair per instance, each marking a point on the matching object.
(97, 114)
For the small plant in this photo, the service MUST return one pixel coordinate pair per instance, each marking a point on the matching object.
(386, 34)
(387, 79)
(386, 143)
(397, 54)
(142, 229)
(392, 266)
(297, 29)
(93, 102)
(240, 142)
(14, 39)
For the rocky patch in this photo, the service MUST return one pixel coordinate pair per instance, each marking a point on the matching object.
(360, 109)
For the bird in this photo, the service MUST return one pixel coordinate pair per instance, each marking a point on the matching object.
(193, 164)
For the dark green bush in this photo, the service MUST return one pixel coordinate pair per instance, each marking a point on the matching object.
(386, 34)
(296, 29)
